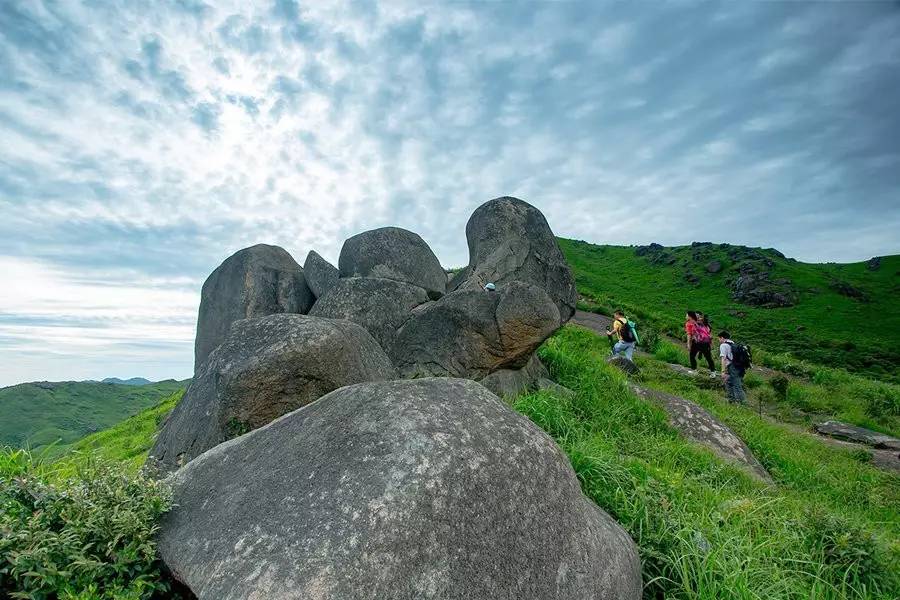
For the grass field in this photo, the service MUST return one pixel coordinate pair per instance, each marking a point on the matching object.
(825, 327)
(43, 413)
(830, 528)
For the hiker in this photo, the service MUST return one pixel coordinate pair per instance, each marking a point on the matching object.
(699, 339)
(735, 362)
(625, 334)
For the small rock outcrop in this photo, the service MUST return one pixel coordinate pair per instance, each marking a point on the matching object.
(698, 425)
(623, 364)
(265, 368)
(429, 488)
(254, 282)
(755, 288)
(874, 263)
(714, 266)
(382, 306)
(320, 274)
(510, 240)
(471, 333)
(859, 435)
(850, 291)
(393, 253)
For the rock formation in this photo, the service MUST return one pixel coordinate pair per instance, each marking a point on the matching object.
(265, 368)
(253, 282)
(393, 253)
(426, 489)
(510, 240)
(320, 274)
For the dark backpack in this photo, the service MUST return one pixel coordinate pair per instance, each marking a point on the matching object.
(626, 332)
(741, 356)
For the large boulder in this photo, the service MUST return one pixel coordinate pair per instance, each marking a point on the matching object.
(382, 306)
(320, 274)
(426, 489)
(265, 368)
(510, 240)
(512, 382)
(253, 282)
(393, 253)
(471, 333)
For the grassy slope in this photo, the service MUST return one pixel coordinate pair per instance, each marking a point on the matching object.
(824, 327)
(38, 414)
(830, 529)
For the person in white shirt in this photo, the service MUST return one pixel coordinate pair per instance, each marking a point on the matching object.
(732, 375)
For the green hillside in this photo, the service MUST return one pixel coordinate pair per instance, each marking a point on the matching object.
(41, 413)
(843, 315)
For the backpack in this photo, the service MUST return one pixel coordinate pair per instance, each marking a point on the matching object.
(700, 333)
(629, 331)
(741, 356)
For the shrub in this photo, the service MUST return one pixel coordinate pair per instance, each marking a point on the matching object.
(752, 381)
(650, 338)
(881, 401)
(87, 535)
(780, 384)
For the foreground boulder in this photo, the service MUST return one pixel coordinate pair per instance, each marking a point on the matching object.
(320, 274)
(510, 240)
(253, 282)
(429, 488)
(265, 368)
(382, 306)
(472, 333)
(512, 382)
(393, 253)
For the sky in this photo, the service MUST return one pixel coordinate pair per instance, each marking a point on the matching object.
(141, 143)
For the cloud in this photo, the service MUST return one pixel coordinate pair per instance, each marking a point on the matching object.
(145, 142)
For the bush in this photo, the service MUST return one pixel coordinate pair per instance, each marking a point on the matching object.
(650, 338)
(87, 535)
(752, 381)
(780, 384)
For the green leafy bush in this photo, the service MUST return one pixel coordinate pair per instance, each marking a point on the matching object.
(82, 535)
(650, 338)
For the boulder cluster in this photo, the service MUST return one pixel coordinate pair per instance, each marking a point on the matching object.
(343, 437)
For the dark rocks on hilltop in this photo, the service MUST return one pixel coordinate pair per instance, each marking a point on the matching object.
(320, 274)
(382, 306)
(254, 282)
(874, 263)
(701, 244)
(265, 368)
(713, 266)
(653, 248)
(510, 240)
(845, 289)
(393, 253)
(429, 488)
(471, 333)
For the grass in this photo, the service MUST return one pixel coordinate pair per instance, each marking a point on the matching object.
(37, 415)
(829, 529)
(823, 328)
(126, 443)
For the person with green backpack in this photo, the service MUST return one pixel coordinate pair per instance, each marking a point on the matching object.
(626, 333)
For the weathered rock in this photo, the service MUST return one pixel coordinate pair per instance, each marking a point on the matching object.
(471, 332)
(429, 489)
(510, 240)
(756, 289)
(551, 386)
(320, 274)
(874, 263)
(860, 435)
(393, 253)
(645, 250)
(512, 382)
(697, 424)
(713, 266)
(623, 364)
(458, 279)
(253, 282)
(692, 279)
(266, 367)
(382, 306)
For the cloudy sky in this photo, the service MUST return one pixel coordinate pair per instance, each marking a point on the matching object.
(143, 142)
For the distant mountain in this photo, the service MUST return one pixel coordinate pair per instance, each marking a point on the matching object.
(132, 381)
(41, 413)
